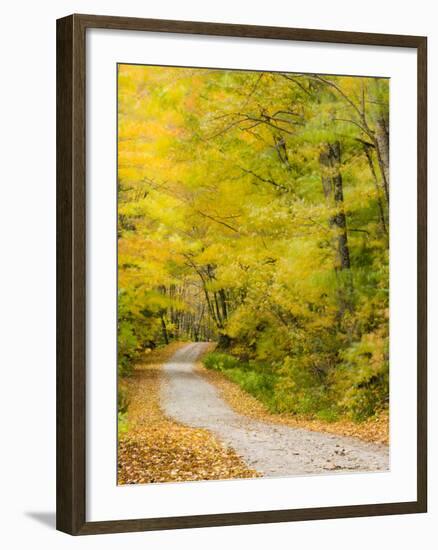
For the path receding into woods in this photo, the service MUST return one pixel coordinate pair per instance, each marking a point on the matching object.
(271, 449)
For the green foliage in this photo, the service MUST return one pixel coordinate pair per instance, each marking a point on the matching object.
(220, 361)
(122, 399)
(255, 378)
(303, 390)
(122, 408)
(127, 348)
(357, 388)
(362, 380)
(122, 423)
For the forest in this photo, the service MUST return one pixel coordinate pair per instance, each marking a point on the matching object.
(253, 211)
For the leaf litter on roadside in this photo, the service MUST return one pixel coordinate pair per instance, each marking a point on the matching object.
(156, 449)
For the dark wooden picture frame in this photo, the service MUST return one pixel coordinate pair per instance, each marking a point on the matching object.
(71, 274)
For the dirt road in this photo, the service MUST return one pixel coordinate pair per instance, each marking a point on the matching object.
(271, 449)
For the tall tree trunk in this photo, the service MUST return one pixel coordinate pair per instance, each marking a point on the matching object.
(210, 305)
(223, 300)
(218, 313)
(382, 147)
(378, 191)
(330, 162)
(198, 325)
(164, 329)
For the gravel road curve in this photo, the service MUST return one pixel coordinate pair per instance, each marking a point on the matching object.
(271, 449)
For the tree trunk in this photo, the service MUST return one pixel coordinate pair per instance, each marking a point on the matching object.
(378, 191)
(223, 300)
(224, 341)
(382, 147)
(164, 329)
(330, 162)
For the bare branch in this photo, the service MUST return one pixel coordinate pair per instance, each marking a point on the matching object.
(297, 82)
(264, 180)
(254, 88)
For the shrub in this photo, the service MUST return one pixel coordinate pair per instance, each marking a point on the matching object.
(127, 348)
(355, 384)
(362, 381)
(122, 423)
(220, 361)
(256, 379)
(328, 415)
(122, 409)
(122, 399)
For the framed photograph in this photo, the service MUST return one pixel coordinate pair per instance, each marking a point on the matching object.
(241, 274)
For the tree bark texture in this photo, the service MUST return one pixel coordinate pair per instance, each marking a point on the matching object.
(330, 163)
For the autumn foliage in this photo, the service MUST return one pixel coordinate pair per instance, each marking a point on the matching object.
(253, 211)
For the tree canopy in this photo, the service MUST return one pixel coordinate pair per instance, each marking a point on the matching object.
(253, 210)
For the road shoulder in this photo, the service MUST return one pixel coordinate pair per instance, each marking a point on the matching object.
(375, 430)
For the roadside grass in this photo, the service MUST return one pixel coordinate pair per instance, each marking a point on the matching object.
(256, 379)
(256, 390)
